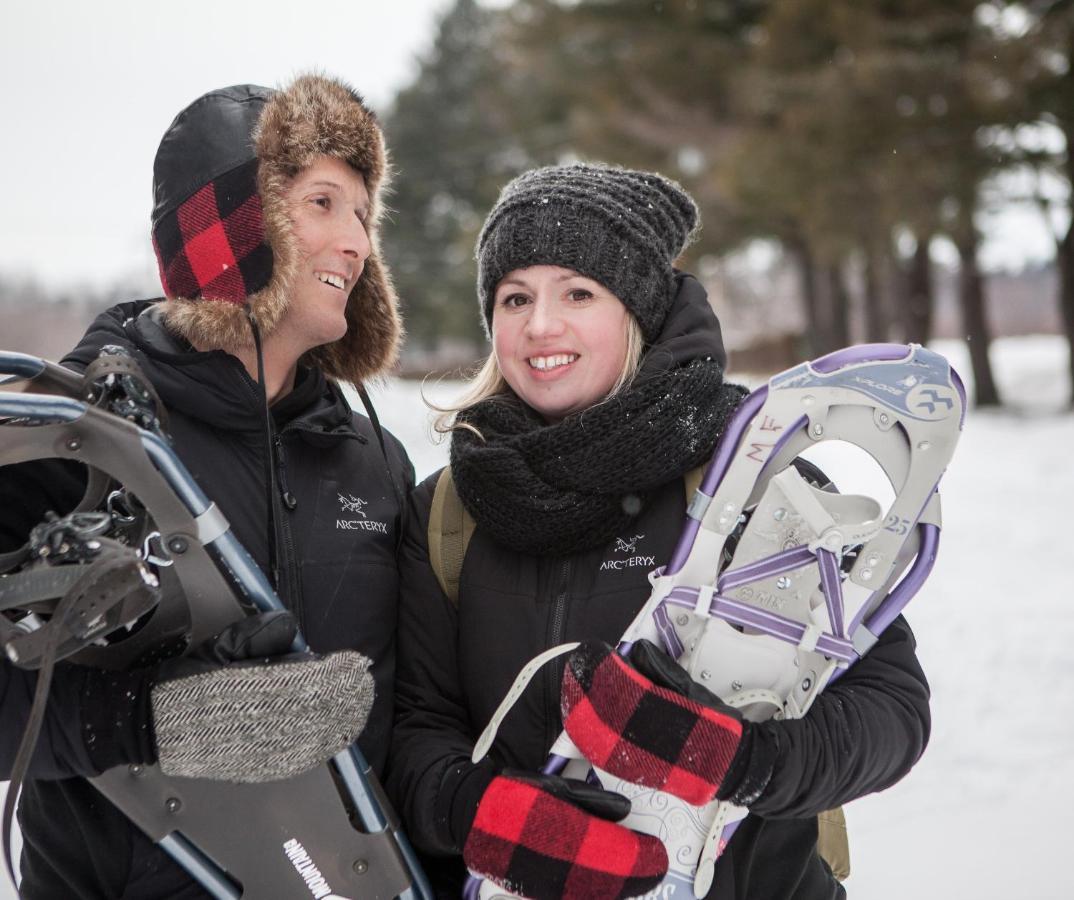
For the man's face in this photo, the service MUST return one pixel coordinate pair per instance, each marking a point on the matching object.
(328, 204)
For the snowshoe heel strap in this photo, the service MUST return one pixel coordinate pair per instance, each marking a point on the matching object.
(525, 675)
(838, 520)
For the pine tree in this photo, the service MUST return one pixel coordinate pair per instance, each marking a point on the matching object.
(451, 153)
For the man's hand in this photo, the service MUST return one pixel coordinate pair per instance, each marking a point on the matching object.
(243, 708)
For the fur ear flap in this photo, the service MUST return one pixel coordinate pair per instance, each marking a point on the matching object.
(374, 330)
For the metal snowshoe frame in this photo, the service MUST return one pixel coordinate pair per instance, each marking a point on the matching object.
(328, 831)
(849, 566)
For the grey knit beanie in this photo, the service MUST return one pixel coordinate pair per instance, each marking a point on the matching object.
(620, 227)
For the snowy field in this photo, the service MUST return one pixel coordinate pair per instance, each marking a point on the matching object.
(985, 813)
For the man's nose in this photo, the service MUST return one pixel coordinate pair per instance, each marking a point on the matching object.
(354, 240)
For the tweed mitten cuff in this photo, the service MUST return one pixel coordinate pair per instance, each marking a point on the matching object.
(261, 721)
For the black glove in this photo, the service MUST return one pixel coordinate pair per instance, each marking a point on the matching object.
(266, 634)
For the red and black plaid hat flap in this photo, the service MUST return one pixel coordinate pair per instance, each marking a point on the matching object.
(213, 245)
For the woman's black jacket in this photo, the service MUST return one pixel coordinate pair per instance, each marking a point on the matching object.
(339, 580)
(456, 664)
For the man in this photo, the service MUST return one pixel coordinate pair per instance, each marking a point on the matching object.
(264, 224)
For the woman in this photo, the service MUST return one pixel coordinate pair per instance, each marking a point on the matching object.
(264, 223)
(605, 386)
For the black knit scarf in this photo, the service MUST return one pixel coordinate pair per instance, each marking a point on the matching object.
(550, 490)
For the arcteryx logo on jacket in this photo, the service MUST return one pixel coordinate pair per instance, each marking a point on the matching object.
(355, 506)
(625, 555)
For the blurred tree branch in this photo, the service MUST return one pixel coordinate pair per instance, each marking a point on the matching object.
(851, 133)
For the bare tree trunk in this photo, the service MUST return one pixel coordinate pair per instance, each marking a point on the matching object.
(1065, 257)
(816, 337)
(972, 301)
(1065, 247)
(873, 309)
(917, 298)
(838, 307)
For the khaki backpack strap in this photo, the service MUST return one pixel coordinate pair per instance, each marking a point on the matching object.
(450, 530)
(692, 482)
(832, 843)
(451, 527)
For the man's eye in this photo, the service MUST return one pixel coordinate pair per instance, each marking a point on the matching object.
(322, 202)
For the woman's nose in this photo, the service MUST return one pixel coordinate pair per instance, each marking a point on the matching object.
(545, 319)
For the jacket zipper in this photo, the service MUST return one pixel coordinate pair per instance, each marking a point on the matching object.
(288, 563)
(283, 540)
(556, 627)
(289, 499)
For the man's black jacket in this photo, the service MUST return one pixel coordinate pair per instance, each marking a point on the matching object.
(340, 580)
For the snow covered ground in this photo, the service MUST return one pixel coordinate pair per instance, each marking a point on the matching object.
(985, 813)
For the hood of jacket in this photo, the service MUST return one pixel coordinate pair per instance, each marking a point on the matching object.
(690, 331)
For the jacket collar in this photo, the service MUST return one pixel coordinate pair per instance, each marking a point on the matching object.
(210, 386)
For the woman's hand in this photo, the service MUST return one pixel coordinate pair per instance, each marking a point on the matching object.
(542, 836)
(652, 724)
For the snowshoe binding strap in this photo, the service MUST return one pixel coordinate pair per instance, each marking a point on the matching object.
(115, 381)
(521, 682)
(111, 585)
(102, 583)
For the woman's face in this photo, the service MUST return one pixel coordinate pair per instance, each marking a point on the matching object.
(560, 338)
(328, 205)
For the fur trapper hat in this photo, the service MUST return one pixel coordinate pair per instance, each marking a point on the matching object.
(221, 230)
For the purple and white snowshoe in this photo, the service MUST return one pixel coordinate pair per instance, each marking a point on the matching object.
(777, 586)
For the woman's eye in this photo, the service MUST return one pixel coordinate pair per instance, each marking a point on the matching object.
(581, 294)
(515, 300)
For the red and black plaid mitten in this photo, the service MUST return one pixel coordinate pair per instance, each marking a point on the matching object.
(643, 732)
(546, 837)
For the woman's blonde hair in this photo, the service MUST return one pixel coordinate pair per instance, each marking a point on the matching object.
(488, 382)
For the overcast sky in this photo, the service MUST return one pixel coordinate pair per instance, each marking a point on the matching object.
(88, 88)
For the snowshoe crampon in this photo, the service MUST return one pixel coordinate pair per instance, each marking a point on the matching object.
(778, 584)
(146, 565)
